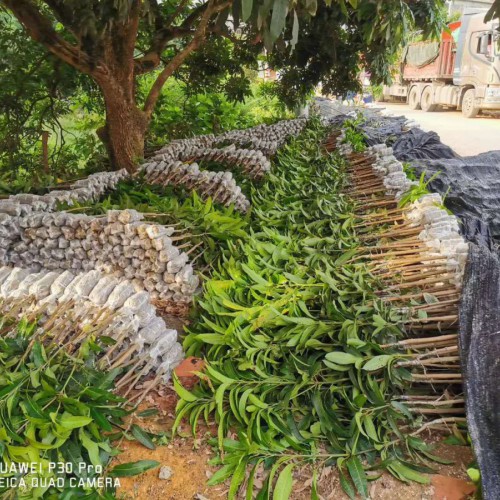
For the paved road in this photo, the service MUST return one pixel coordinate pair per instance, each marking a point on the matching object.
(466, 136)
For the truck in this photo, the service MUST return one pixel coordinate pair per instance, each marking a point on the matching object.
(461, 70)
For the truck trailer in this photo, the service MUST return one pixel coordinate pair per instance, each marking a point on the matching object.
(461, 70)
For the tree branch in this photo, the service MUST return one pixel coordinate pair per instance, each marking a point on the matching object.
(164, 33)
(170, 19)
(200, 33)
(152, 58)
(130, 33)
(158, 18)
(40, 29)
(197, 12)
(62, 13)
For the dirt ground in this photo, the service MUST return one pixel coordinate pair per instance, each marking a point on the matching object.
(188, 460)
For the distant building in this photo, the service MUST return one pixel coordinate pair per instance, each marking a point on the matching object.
(267, 74)
(459, 6)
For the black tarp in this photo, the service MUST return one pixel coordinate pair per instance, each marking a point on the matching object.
(471, 187)
(383, 131)
(417, 144)
(479, 341)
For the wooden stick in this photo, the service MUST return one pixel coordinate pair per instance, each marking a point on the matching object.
(409, 342)
(429, 361)
(430, 411)
(435, 402)
(437, 376)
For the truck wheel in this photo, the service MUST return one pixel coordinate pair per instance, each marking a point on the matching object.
(469, 108)
(413, 99)
(426, 101)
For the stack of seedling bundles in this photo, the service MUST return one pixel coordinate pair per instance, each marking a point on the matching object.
(414, 246)
(85, 190)
(265, 138)
(74, 307)
(74, 272)
(118, 243)
(81, 275)
(220, 186)
(176, 164)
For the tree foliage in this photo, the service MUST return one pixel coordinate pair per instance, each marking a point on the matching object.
(117, 42)
(35, 92)
(494, 12)
(340, 39)
(301, 356)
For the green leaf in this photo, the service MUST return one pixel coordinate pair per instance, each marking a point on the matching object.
(474, 474)
(250, 272)
(346, 256)
(430, 299)
(295, 30)
(341, 358)
(438, 459)
(378, 321)
(358, 475)
(377, 362)
(406, 473)
(334, 366)
(219, 397)
(257, 402)
(251, 480)
(237, 479)
(314, 486)
(39, 356)
(246, 9)
(221, 475)
(370, 428)
(73, 454)
(91, 447)
(455, 440)
(278, 18)
(218, 376)
(402, 408)
(183, 393)
(33, 409)
(71, 422)
(142, 437)
(284, 483)
(346, 485)
(421, 314)
(211, 338)
(35, 378)
(133, 468)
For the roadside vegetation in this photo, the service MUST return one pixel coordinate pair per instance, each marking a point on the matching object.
(288, 322)
(292, 330)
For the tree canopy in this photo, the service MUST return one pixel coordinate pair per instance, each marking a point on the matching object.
(115, 44)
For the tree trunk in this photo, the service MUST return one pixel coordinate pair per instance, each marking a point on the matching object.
(125, 128)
